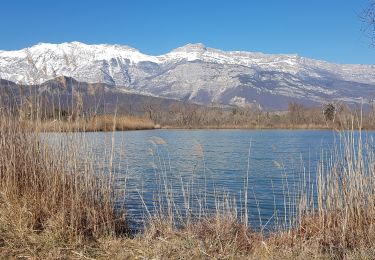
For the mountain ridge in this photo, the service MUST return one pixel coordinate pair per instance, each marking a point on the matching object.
(196, 73)
(185, 46)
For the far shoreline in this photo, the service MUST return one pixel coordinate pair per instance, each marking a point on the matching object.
(209, 128)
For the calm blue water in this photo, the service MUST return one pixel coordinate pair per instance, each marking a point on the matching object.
(193, 167)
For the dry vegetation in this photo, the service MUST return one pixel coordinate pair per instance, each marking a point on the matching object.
(98, 123)
(330, 116)
(54, 204)
(48, 199)
(297, 116)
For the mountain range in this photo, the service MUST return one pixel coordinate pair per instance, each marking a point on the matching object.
(195, 73)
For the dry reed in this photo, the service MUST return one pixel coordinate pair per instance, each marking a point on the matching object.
(100, 123)
(47, 197)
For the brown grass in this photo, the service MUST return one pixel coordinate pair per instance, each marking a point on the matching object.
(252, 126)
(47, 199)
(100, 123)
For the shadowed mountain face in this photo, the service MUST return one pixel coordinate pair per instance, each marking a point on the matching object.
(195, 73)
(67, 94)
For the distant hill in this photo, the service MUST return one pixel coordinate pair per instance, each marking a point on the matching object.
(66, 93)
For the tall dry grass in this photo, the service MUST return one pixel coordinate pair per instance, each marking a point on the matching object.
(99, 123)
(50, 197)
(343, 218)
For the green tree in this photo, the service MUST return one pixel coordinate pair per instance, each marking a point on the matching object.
(329, 112)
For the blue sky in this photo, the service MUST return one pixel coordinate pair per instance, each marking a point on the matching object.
(321, 29)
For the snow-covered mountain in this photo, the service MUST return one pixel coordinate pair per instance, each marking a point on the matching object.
(195, 73)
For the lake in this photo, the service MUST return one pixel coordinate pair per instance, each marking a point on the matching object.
(194, 171)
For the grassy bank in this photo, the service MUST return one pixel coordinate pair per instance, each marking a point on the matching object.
(112, 122)
(54, 204)
(100, 123)
(252, 126)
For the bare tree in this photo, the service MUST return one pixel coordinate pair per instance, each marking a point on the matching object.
(296, 113)
(368, 18)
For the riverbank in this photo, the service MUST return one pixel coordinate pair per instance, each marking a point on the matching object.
(213, 238)
(100, 123)
(252, 127)
(108, 123)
